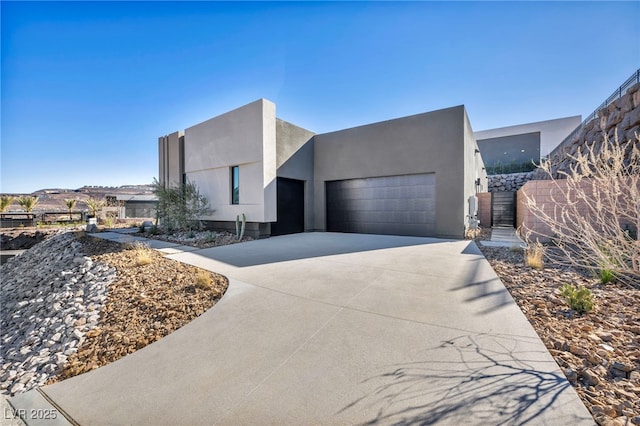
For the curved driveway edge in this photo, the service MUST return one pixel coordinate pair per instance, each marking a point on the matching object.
(325, 328)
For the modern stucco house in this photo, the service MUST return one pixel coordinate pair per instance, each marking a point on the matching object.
(523, 143)
(409, 176)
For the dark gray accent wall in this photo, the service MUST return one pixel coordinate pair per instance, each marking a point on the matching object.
(432, 142)
(475, 174)
(294, 160)
(514, 149)
(294, 151)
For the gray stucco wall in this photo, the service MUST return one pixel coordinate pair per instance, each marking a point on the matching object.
(294, 160)
(432, 142)
(474, 168)
(171, 158)
(244, 137)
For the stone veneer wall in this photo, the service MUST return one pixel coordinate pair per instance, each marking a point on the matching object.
(621, 118)
(508, 182)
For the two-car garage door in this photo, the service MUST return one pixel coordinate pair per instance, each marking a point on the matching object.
(400, 205)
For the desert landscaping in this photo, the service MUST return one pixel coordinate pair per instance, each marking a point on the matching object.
(100, 300)
(599, 351)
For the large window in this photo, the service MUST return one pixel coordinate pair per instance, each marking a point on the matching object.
(235, 185)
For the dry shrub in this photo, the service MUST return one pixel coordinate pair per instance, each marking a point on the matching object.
(472, 233)
(596, 212)
(203, 280)
(143, 254)
(534, 255)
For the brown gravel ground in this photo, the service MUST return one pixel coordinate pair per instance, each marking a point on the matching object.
(144, 304)
(599, 351)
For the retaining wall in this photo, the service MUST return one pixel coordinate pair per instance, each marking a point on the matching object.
(550, 195)
(620, 119)
(508, 182)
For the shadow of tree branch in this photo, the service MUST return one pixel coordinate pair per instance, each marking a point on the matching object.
(467, 379)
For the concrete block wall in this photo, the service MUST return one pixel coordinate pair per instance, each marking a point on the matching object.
(547, 194)
(551, 195)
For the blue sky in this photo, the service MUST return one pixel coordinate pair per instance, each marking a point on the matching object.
(87, 87)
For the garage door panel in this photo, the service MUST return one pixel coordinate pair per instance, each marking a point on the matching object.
(403, 205)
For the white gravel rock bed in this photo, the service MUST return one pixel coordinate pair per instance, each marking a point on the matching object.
(51, 295)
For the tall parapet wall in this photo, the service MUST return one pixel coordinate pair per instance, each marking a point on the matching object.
(619, 121)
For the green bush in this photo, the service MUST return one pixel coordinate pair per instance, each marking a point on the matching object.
(606, 276)
(110, 220)
(180, 206)
(579, 299)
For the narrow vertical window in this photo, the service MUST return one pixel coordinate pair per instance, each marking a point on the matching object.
(235, 185)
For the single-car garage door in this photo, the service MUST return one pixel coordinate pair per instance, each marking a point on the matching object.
(399, 205)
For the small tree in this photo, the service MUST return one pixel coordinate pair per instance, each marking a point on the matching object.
(596, 216)
(181, 206)
(71, 203)
(5, 202)
(28, 203)
(94, 205)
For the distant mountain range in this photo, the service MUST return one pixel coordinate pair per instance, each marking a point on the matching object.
(52, 199)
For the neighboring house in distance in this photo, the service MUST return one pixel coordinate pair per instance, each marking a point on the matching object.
(513, 148)
(137, 205)
(408, 176)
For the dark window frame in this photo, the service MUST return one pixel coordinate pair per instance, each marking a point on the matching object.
(235, 184)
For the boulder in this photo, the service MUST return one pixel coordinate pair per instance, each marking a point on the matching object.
(634, 117)
(614, 118)
(633, 133)
(636, 99)
(625, 103)
(633, 89)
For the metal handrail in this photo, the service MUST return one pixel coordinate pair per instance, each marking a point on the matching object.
(618, 93)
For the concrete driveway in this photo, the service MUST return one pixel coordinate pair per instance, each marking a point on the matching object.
(325, 328)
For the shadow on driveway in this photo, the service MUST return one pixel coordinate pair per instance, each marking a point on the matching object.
(471, 379)
(309, 245)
